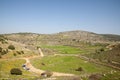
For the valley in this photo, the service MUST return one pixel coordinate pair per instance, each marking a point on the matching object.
(71, 55)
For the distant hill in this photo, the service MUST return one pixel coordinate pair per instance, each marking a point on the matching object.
(68, 37)
(84, 36)
(112, 37)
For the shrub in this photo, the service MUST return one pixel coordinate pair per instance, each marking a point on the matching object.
(18, 52)
(102, 49)
(79, 69)
(14, 54)
(0, 49)
(22, 52)
(4, 42)
(47, 74)
(0, 55)
(16, 71)
(11, 47)
(4, 52)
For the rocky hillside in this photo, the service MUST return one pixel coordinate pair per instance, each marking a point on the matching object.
(111, 56)
(112, 37)
(83, 36)
(66, 38)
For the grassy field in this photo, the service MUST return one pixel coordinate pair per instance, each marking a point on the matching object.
(65, 49)
(72, 50)
(67, 64)
(7, 65)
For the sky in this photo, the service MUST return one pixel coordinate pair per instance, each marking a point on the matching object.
(53, 16)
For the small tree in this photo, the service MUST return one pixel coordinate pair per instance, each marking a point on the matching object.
(11, 47)
(16, 71)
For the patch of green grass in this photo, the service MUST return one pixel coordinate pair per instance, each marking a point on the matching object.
(65, 49)
(82, 49)
(7, 65)
(67, 64)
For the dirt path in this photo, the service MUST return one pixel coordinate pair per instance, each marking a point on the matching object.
(38, 71)
(40, 52)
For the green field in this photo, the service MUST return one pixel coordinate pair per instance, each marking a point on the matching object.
(72, 50)
(67, 64)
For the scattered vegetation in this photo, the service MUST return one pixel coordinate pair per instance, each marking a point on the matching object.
(3, 39)
(110, 56)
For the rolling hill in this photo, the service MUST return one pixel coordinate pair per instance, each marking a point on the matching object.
(62, 37)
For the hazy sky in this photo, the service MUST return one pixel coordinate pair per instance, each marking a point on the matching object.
(51, 16)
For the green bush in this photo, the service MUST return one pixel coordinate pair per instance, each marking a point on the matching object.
(11, 47)
(18, 52)
(102, 49)
(16, 71)
(79, 69)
